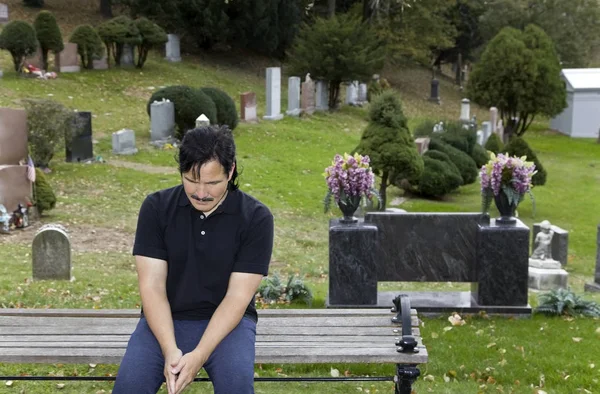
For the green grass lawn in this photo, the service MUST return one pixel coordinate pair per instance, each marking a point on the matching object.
(282, 164)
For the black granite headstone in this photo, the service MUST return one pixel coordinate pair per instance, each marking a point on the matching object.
(352, 265)
(502, 265)
(595, 287)
(435, 91)
(81, 147)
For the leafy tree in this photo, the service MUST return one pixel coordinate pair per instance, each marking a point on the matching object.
(18, 38)
(519, 73)
(494, 143)
(339, 49)
(389, 145)
(106, 8)
(226, 110)
(519, 147)
(89, 45)
(152, 36)
(48, 34)
(207, 20)
(117, 32)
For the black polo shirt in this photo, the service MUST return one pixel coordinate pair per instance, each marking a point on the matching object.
(202, 252)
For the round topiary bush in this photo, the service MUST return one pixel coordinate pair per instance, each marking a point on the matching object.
(189, 104)
(386, 110)
(437, 179)
(465, 164)
(48, 34)
(226, 110)
(89, 45)
(441, 156)
(519, 147)
(480, 155)
(494, 143)
(43, 195)
(18, 38)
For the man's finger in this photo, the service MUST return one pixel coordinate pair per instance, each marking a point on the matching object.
(178, 367)
(182, 383)
(172, 380)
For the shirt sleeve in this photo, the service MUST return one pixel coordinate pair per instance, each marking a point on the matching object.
(254, 255)
(149, 236)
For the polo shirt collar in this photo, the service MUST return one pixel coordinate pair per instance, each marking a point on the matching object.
(230, 205)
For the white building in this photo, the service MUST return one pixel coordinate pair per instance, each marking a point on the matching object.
(581, 118)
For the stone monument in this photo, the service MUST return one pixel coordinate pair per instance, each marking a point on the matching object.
(273, 94)
(322, 103)
(67, 61)
(123, 142)
(308, 96)
(162, 120)
(465, 110)
(248, 107)
(202, 120)
(81, 147)
(172, 48)
(293, 96)
(595, 286)
(352, 93)
(545, 273)
(3, 13)
(127, 58)
(51, 253)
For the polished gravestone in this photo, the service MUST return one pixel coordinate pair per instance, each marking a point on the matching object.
(81, 147)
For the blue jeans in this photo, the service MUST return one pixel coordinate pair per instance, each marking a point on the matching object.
(230, 367)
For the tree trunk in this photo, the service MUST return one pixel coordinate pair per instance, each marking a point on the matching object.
(458, 74)
(44, 59)
(106, 8)
(383, 189)
(330, 8)
(366, 10)
(18, 62)
(334, 93)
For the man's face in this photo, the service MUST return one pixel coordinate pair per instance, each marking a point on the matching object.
(206, 191)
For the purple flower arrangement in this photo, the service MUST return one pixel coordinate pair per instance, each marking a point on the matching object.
(510, 175)
(349, 178)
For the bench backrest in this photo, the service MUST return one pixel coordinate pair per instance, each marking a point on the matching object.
(426, 246)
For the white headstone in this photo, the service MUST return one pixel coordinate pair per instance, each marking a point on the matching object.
(273, 94)
(486, 127)
(3, 13)
(51, 253)
(352, 93)
(202, 120)
(127, 58)
(465, 110)
(494, 118)
(172, 48)
(480, 137)
(322, 98)
(123, 142)
(162, 120)
(293, 96)
(362, 93)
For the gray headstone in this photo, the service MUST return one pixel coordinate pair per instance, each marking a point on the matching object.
(422, 145)
(480, 137)
(322, 96)
(172, 48)
(494, 118)
(162, 120)
(293, 96)
(486, 127)
(51, 253)
(127, 56)
(248, 107)
(560, 243)
(273, 94)
(3, 13)
(123, 142)
(67, 60)
(81, 148)
(595, 286)
(100, 64)
(352, 93)
(465, 110)
(362, 93)
(307, 98)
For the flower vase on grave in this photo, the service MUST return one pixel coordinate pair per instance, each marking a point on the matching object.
(506, 209)
(348, 205)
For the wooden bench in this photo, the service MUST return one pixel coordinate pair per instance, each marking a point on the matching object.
(284, 336)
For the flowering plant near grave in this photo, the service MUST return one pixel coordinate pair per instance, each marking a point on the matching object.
(508, 176)
(349, 178)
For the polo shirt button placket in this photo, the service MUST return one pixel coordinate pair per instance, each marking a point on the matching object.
(202, 232)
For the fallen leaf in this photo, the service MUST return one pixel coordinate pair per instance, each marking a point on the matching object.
(538, 391)
(592, 366)
(256, 374)
(60, 386)
(434, 335)
(335, 373)
(9, 383)
(577, 339)
(429, 378)
(489, 345)
(92, 365)
(447, 328)
(446, 378)
(456, 320)
(479, 332)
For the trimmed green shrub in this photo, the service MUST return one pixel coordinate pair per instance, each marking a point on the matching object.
(456, 135)
(376, 87)
(519, 147)
(117, 32)
(480, 155)
(424, 129)
(465, 164)
(437, 179)
(48, 122)
(386, 110)
(48, 34)
(89, 45)
(152, 37)
(226, 110)
(441, 156)
(18, 38)
(43, 195)
(494, 143)
(34, 3)
(189, 104)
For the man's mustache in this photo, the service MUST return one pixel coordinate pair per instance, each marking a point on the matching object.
(203, 199)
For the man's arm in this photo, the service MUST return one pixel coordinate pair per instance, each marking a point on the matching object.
(242, 287)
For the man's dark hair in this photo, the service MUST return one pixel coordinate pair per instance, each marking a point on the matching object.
(207, 143)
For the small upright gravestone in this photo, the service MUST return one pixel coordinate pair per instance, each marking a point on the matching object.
(248, 107)
(465, 110)
(51, 253)
(172, 48)
(202, 120)
(293, 96)
(595, 286)
(81, 147)
(422, 145)
(100, 64)
(67, 61)
(123, 142)
(162, 120)
(352, 93)
(322, 96)
(307, 99)
(494, 118)
(362, 93)
(486, 127)
(435, 91)
(3, 13)
(127, 59)
(273, 94)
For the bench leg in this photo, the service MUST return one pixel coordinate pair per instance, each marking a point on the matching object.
(406, 375)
